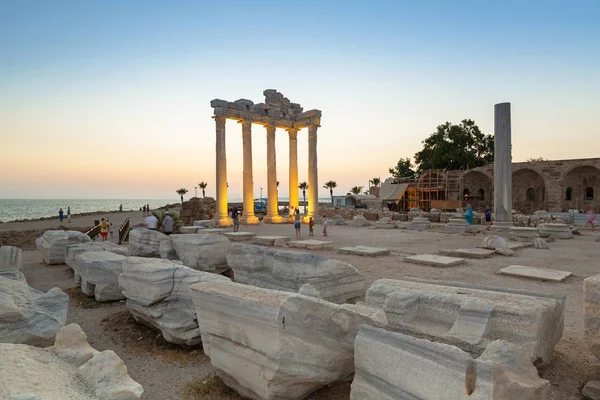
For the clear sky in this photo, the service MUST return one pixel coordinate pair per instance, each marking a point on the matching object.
(111, 98)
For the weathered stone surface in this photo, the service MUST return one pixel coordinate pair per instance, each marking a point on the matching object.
(158, 295)
(364, 251)
(29, 316)
(202, 252)
(293, 271)
(541, 244)
(541, 274)
(98, 273)
(518, 245)
(167, 251)
(239, 236)
(518, 233)
(145, 242)
(494, 242)
(72, 250)
(269, 344)
(435, 260)
(591, 391)
(504, 251)
(214, 231)
(434, 371)
(52, 244)
(359, 220)
(310, 244)
(270, 240)
(188, 229)
(456, 225)
(70, 369)
(206, 223)
(11, 258)
(591, 311)
(383, 224)
(419, 224)
(468, 253)
(556, 231)
(471, 317)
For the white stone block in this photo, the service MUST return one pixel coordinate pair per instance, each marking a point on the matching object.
(494, 242)
(269, 240)
(364, 251)
(11, 258)
(540, 274)
(419, 224)
(392, 366)
(269, 344)
(239, 236)
(205, 223)
(435, 260)
(52, 244)
(202, 252)
(460, 315)
(468, 253)
(72, 250)
(310, 244)
(145, 242)
(188, 229)
(99, 274)
(293, 271)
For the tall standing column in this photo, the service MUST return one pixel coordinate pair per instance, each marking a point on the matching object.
(248, 216)
(222, 218)
(293, 134)
(502, 168)
(272, 200)
(313, 179)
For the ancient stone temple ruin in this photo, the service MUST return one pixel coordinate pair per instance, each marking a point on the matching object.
(276, 112)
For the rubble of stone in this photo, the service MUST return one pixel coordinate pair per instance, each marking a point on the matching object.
(471, 317)
(291, 344)
(339, 220)
(540, 243)
(70, 369)
(359, 220)
(202, 252)
(30, 316)
(194, 209)
(493, 242)
(555, 231)
(158, 295)
(97, 274)
(297, 272)
(52, 244)
(392, 366)
(145, 242)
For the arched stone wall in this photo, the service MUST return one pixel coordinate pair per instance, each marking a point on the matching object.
(529, 191)
(579, 179)
(477, 182)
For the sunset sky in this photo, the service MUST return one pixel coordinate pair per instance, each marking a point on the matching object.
(111, 98)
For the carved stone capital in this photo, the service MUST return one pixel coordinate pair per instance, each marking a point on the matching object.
(246, 126)
(312, 131)
(271, 130)
(293, 133)
(220, 121)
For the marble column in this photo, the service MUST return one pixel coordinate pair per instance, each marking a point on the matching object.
(293, 134)
(248, 217)
(272, 200)
(502, 168)
(222, 216)
(313, 179)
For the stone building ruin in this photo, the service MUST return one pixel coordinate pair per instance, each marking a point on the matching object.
(276, 112)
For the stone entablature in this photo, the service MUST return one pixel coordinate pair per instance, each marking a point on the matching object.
(276, 112)
(542, 185)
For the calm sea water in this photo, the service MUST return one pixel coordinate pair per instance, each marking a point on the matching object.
(13, 209)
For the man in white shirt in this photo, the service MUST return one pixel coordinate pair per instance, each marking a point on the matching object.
(151, 222)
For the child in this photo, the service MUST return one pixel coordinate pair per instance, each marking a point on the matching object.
(311, 225)
(324, 225)
(592, 219)
(111, 230)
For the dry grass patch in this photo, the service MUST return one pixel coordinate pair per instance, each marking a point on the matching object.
(81, 300)
(209, 388)
(139, 339)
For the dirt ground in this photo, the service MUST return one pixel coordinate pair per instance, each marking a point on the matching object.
(164, 369)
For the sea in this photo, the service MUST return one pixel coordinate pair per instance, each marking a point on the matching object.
(19, 209)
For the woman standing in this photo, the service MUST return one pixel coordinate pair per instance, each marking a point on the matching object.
(469, 214)
(297, 223)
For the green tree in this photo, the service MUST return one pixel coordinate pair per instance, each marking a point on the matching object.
(161, 216)
(203, 185)
(404, 169)
(181, 192)
(356, 190)
(455, 147)
(303, 186)
(330, 185)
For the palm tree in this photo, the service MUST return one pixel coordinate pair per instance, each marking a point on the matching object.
(356, 190)
(161, 217)
(303, 186)
(203, 186)
(181, 192)
(375, 181)
(330, 185)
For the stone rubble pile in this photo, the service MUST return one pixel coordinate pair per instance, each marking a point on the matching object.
(70, 369)
(52, 244)
(269, 344)
(523, 220)
(158, 295)
(30, 316)
(198, 209)
(392, 366)
(296, 272)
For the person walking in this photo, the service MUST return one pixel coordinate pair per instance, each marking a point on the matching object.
(488, 215)
(61, 215)
(104, 229)
(121, 208)
(168, 224)
(235, 215)
(297, 223)
(324, 225)
(469, 214)
(151, 222)
(69, 215)
(591, 219)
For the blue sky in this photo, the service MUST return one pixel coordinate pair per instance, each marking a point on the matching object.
(111, 98)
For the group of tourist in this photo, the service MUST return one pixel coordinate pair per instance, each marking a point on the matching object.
(152, 223)
(61, 215)
(106, 228)
(311, 225)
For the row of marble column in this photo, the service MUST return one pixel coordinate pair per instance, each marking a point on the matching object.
(249, 217)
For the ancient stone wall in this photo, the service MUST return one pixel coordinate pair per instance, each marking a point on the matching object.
(198, 209)
(557, 185)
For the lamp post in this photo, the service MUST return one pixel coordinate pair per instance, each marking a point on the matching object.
(196, 189)
(261, 195)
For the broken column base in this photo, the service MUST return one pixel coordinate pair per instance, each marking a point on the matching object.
(501, 228)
